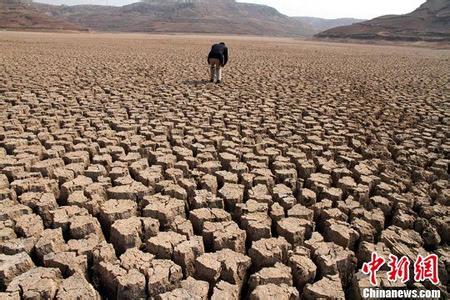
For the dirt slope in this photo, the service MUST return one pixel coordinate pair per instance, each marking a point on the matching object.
(320, 24)
(197, 16)
(430, 22)
(16, 15)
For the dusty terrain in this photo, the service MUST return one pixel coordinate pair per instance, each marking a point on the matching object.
(124, 174)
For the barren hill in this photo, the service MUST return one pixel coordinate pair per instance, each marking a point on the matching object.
(20, 15)
(320, 24)
(430, 22)
(198, 16)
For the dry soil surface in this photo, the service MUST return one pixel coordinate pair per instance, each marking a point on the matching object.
(125, 174)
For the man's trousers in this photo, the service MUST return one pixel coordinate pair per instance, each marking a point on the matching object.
(216, 69)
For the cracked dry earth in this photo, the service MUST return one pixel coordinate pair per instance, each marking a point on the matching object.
(124, 175)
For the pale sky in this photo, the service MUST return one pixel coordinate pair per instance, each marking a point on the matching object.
(361, 9)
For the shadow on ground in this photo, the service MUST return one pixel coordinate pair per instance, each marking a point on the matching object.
(196, 82)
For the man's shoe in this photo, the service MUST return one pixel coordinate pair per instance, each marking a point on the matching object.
(212, 81)
(219, 82)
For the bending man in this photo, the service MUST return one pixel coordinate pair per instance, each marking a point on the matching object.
(217, 59)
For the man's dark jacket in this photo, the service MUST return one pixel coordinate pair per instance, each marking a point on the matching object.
(219, 51)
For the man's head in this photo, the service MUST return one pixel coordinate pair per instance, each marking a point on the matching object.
(222, 43)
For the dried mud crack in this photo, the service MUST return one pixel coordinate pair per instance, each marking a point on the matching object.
(124, 175)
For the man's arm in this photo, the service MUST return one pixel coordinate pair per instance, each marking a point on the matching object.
(225, 56)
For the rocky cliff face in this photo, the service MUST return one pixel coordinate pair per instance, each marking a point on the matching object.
(430, 22)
